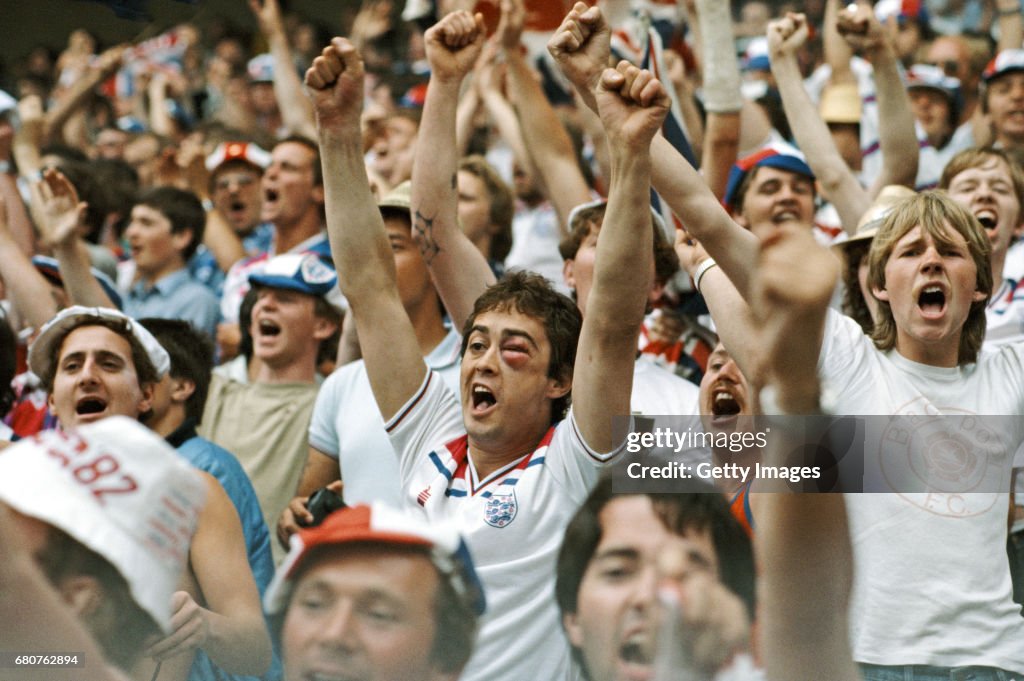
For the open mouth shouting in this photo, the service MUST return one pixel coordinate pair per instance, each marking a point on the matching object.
(636, 658)
(266, 327)
(483, 399)
(988, 218)
(931, 301)
(90, 406)
(724, 403)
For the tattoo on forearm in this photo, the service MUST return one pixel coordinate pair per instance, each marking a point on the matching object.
(423, 231)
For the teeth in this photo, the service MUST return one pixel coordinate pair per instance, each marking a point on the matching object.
(719, 396)
(933, 289)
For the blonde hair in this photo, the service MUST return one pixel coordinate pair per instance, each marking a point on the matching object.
(936, 214)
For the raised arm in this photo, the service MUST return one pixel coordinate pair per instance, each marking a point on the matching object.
(26, 288)
(460, 272)
(580, 46)
(1011, 26)
(362, 254)
(897, 137)
(802, 543)
(546, 141)
(296, 112)
(61, 216)
(632, 105)
(71, 103)
(838, 183)
(722, 99)
(228, 624)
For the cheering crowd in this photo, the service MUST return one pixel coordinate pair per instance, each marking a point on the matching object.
(317, 351)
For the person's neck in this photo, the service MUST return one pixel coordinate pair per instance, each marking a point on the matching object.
(483, 244)
(939, 142)
(291, 235)
(967, 113)
(998, 261)
(429, 327)
(303, 371)
(491, 456)
(169, 422)
(1010, 142)
(944, 353)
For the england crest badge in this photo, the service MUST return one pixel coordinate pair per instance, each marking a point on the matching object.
(501, 508)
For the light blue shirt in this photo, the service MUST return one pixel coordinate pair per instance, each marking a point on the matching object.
(175, 296)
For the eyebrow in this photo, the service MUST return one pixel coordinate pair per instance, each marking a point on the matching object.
(100, 354)
(615, 552)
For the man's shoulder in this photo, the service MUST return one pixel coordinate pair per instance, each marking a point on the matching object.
(208, 456)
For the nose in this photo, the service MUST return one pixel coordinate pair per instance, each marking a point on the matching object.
(645, 588)
(487, 362)
(265, 300)
(931, 260)
(730, 372)
(786, 193)
(87, 374)
(337, 628)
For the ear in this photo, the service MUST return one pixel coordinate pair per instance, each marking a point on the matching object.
(323, 328)
(182, 389)
(979, 296)
(559, 387)
(318, 194)
(569, 273)
(570, 622)
(182, 239)
(1018, 231)
(146, 402)
(882, 294)
(82, 593)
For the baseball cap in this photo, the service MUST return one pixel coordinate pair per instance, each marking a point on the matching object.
(261, 68)
(140, 515)
(400, 197)
(237, 151)
(755, 57)
(840, 103)
(50, 269)
(380, 524)
(902, 10)
(576, 212)
(781, 156)
(883, 204)
(302, 272)
(40, 353)
(928, 76)
(1004, 62)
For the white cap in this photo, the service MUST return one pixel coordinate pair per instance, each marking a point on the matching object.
(119, 489)
(41, 352)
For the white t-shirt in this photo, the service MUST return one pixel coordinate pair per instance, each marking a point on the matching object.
(347, 426)
(513, 521)
(932, 583)
(535, 239)
(1004, 315)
